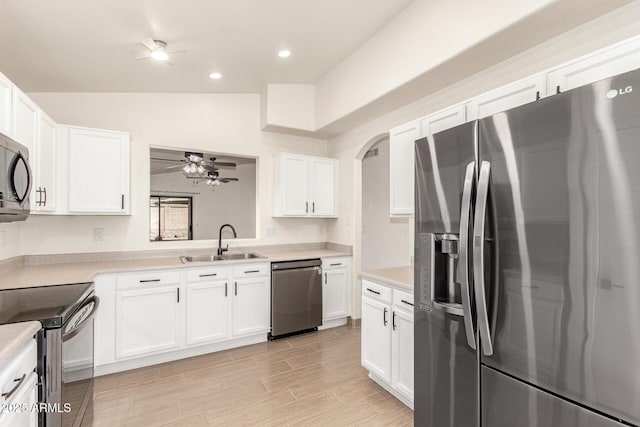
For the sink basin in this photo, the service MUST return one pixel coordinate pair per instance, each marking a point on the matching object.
(224, 257)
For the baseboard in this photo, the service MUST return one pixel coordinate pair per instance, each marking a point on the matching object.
(382, 383)
(334, 323)
(354, 323)
(141, 362)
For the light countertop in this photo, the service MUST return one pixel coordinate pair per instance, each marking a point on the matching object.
(401, 277)
(14, 337)
(26, 276)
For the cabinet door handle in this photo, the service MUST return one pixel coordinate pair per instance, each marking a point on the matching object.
(122, 201)
(178, 294)
(18, 382)
(384, 317)
(236, 288)
(45, 196)
(325, 278)
(375, 292)
(313, 207)
(407, 302)
(149, 280)
(393, 321)
(225, 289)
(306, 207)
(209, 275)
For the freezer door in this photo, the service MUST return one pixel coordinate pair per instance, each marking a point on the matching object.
(564, 304)
(446, 367)
(511, 403)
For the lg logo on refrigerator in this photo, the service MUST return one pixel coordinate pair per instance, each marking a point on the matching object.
(615, 92)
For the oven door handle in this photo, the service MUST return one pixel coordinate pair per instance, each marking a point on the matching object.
(85, 321)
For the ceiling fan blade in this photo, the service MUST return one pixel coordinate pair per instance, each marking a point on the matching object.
(158, 159)
(173, 166)
(149, 43)
(140, 55)
(176, 51)
(228, 179)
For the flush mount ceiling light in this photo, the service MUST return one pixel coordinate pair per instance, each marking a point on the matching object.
(215, 76)
(284, 53)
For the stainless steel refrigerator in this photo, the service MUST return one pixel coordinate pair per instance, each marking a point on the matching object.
(527, 264)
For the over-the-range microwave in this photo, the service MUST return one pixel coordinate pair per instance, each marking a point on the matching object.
(15, 180)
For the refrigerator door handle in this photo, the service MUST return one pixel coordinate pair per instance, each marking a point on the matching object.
(478, 258)
(463, 261)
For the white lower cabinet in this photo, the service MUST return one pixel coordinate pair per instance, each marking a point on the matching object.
(156, 316)
(387, 338)
(207, 312)
(335, 288)
(18, 385)
(251, 305)
(147, 320)
(376, 337)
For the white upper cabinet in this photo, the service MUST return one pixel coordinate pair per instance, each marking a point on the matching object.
(401, 167)
(322, 173)
(305, 186)
(402, 155)
(25, 121)
(98, 168)
(618, 59)
(6, 106)
(506, 97)
(45, 157)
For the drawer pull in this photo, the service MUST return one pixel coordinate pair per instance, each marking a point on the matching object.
(251, 271)
(335, 264)
(209, 275)
(149, 280)
(18, 382)
(407, 302)
(375, 292)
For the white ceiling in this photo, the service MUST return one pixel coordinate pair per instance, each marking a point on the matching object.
(87, 46)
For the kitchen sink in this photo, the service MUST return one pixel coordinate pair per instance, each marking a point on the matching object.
(224, 257)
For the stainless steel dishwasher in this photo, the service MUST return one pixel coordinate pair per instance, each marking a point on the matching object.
(296, 297)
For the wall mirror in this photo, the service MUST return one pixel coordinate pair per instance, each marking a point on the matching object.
(193, 193)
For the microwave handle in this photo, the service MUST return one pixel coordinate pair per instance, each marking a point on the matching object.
(19, 156)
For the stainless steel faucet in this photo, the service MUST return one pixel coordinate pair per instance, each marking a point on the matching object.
(220, 248)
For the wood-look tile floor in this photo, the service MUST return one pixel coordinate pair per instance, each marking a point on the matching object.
(313, 379)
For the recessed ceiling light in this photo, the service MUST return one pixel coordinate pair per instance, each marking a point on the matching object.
(215, 75)
(284, 53)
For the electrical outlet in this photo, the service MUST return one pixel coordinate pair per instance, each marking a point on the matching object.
(98, 234)
(321, 229)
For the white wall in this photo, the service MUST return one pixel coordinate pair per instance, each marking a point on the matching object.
(10, 239)
(221, 123)
(231, 203)
(349, 146)
(385, 240)
(289, 105)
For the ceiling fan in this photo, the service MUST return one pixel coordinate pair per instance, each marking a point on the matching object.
(156, 49)
(214, 179)
(196, 165)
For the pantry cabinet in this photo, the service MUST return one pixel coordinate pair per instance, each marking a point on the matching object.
(98, 171)
(6, 106)
(335, 289)
(305, 186)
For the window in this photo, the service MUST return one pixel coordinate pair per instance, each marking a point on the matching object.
(169, 218)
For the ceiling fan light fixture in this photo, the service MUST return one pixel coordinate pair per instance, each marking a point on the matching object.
(284, 53)
(215, 75)
(159, 54)
(200, 169)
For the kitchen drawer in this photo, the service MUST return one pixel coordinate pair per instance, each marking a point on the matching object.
(334, 263)
(207, 274)
(377, 291)
(250, 270)
(403, 300)
(148, 278)
(19, 368)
